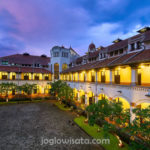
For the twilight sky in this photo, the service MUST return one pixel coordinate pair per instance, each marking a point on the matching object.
(35, 26)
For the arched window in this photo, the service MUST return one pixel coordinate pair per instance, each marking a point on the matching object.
(64, 67)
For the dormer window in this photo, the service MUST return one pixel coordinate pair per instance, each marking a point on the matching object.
(116, 52)
(111, 54)
(121, 51)
(4, 62)
(132, 47)
(37, 65)
(138, 45)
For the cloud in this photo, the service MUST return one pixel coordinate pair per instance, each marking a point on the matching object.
(36, 25)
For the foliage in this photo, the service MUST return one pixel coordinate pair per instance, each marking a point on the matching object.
(28, 88)
(93, 131)
(6, 88)
(141, 123)
(62, 106)
(62, 91)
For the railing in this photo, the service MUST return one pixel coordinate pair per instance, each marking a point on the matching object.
(137, 87)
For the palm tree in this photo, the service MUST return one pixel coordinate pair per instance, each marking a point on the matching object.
(6, 88)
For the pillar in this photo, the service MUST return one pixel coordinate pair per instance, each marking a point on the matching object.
(110, 76)
(96, 98)
(132, 115)
(8, 75)
(43, 77)
(133, 76)
(86, 99)
(31, 76)
(79, 96)
(96, 76)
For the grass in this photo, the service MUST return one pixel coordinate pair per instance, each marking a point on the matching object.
(92, 131)
(62, 106)
(18, 102)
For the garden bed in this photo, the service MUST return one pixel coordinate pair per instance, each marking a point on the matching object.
(92, 131)
(62, 106)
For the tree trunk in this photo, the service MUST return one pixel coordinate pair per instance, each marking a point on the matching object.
(6, 99)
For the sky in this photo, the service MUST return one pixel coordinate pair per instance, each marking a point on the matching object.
(35, 26)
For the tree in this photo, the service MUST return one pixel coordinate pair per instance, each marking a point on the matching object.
(28, 89)
(6, 88)
(56, 87)
(141, 123)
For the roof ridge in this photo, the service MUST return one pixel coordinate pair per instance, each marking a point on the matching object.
(115, 60)
(132, 56)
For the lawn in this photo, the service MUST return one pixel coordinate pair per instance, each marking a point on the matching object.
(92, 131)
(17, 102)
(62, 106)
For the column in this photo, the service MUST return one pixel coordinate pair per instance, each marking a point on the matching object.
(96, 76)
(85, 76)
(19, 76)
(86, 99)
(79, 100)
(31, 76)
(43, 77)
(96, 98)
(110, 76)
(135, 45)
(132, 115)
(78, 76)
(8, 75)
(72, 77)
(129, 47)
(133, 76)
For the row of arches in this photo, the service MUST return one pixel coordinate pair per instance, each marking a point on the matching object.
(90, 98)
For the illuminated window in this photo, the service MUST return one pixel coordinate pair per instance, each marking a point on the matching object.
(4, 76)
(64, 67)
(46, 77)
(26, 76)
(56, 71)
(36, 77)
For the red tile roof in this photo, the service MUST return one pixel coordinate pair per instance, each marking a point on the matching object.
(135, 57)
(22, 59)
(23, 69)
(117, 46)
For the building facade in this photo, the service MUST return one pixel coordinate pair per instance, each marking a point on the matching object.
(60, 59)
(120, 71)
(25, 68)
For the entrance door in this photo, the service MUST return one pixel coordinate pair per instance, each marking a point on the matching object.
(103, 77)
(90, 101)
(56, 71)
(139, 79)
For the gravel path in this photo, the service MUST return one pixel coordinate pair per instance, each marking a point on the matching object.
(23, 126)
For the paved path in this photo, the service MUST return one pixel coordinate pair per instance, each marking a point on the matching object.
(22, 127)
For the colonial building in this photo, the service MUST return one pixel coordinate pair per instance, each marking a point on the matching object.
(120, 71)
(25, 68)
